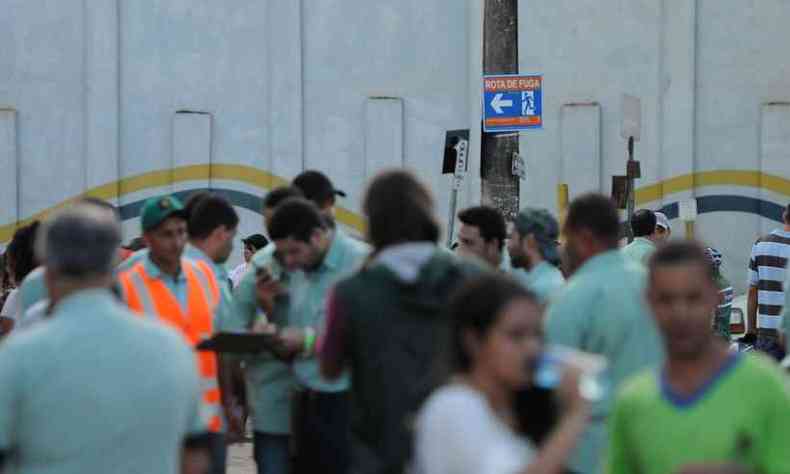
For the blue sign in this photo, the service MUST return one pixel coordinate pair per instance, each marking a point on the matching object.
(512, 103)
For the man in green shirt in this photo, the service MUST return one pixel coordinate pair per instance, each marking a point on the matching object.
(317, 256)
(707, 409)
(533, 252)
(601, 310)
(643, 225)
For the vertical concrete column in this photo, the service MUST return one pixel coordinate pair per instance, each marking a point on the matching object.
(677, 93)
(9, 174)
(101, 130)
(383, 135)
(774, 157)
(580, 148)
(286, 106)
(191, 148)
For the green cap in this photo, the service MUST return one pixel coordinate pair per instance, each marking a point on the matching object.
(541, 224)
(157, 210)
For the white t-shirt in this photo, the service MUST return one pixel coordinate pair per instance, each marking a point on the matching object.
(459, 433)
(238, 273)
(11, 306)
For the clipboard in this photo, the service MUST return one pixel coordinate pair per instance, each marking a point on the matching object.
(238, 343)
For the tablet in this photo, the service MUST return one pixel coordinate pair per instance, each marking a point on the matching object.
(238, 343)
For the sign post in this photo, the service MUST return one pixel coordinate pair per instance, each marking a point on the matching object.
(456, 150)
(631, 131)
(512, 103)
(461, 149)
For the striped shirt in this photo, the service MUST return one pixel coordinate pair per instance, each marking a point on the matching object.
(767, 268)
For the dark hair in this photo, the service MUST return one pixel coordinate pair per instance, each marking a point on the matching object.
(488, 220)
(137, 243)
(399, 209)
(21, 251)
(596, 213)
(787, 214)
(210, 213)
(682, 252)
(296, 218)
(476, 307)
(643, 223)
(192, 202)
(278, 195)
(317, 187)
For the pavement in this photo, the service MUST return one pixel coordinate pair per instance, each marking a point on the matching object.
(240, 459)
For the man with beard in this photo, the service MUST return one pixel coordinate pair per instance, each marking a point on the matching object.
(602, 311)
(533, 252)
(316, 256)
(707, 410)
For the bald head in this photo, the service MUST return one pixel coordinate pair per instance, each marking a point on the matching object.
(80, 243)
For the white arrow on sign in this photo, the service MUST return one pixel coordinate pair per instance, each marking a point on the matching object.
(498, 103)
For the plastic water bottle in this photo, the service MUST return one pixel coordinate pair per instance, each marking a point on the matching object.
(550, 366)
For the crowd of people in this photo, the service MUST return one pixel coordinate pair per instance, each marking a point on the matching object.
(536, 346)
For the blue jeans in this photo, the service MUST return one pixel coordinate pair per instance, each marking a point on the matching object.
(272, 453)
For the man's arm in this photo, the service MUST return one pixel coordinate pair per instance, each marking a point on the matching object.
(751, 305)
(751, 310)
(331, 347)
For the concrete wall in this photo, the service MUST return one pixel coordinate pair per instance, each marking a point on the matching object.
(129, 99)
(714, 83)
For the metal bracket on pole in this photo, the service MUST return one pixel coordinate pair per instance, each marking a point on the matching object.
(519, 166)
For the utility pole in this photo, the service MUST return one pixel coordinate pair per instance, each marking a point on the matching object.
(500, 56)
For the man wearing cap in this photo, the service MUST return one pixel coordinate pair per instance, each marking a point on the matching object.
(601, 310)
(643, 225)
(95, 389)
(663, 228)
(533, 252)
(252, 244)
(317, 187)
(183, 294)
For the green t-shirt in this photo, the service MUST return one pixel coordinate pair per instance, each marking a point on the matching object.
(741, 415)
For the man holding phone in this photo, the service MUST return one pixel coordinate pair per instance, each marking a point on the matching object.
(316, 256)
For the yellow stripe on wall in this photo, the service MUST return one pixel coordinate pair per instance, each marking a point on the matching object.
(265, 180)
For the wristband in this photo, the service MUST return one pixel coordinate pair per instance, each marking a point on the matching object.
(309, 342)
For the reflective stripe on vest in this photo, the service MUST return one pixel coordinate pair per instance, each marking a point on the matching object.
(148, 296)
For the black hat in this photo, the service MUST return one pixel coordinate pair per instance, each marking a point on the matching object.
(256, 241)
(316, 186)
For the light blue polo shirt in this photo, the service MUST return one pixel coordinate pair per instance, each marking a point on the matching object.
(225, 306)
(544, 280)
(269, 380)
(640, 250)
(309, 291)
(602, 310)
(95, 389)
(177, 284)
(32, 290)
